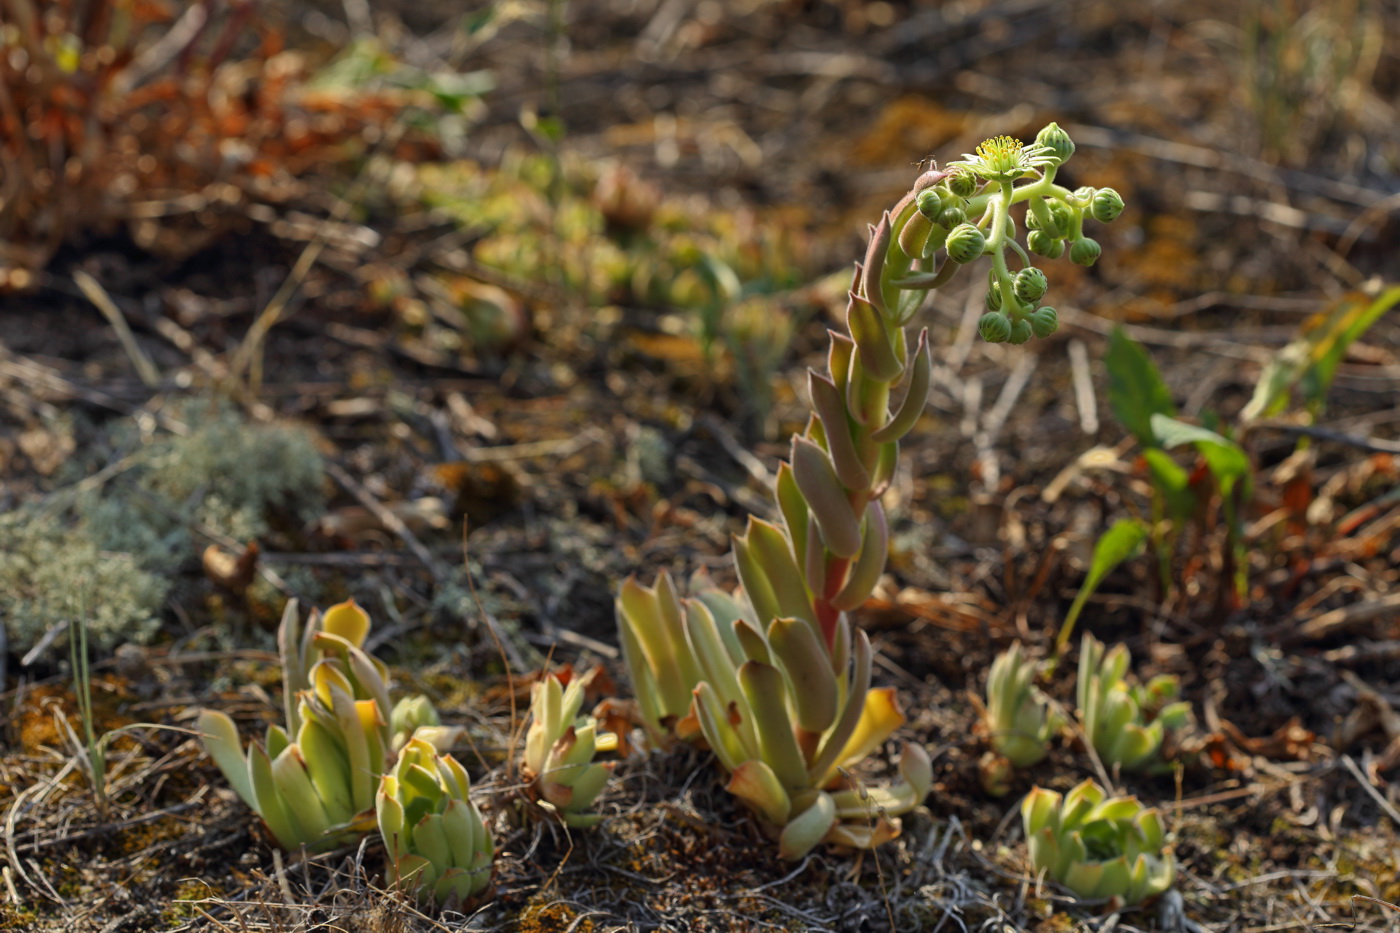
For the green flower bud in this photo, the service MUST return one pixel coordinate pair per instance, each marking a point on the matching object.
(962, 183)
(951, 217)
(994, 328)
(1030, 284)
(993, 300)
(930, 203)
(1085, 251)
(965, 243)
(1106, 205)
(1020, 332)
(1057, 141)
(1044, 322)
(1043, 244)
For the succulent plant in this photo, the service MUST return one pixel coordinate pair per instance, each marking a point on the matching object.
(438, 845)
(1017, 717)
(1097, 846)
(559, 750)
(774, 677)
(1114, 714)
(313, 781)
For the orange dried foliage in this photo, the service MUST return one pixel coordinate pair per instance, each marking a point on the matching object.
(153, 115)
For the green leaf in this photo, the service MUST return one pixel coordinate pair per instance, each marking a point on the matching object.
(1227, 461)
(1136, 391)
(1172, 481)
(1312, 358)
(1120, 542)
(1342, 327)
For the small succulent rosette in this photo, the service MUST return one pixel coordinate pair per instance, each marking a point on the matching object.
(438, 846)
(560, 746)
(1018, 719)
(1097, 846)
(1126, 723)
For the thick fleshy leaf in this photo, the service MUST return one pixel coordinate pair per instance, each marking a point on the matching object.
(803, 657)
(915, 400)
(269, 804)
(763, 688)
(722, 737)
(864, 574)
(830, 404)
(770, 547)
(348, 621)
(868, 327)
(828, 756)
(878, 720)
(840, 527)
(303, 806)
(1084, 878)
(219, 736)
(805, 831)
(756, 784)
(757, 587)
(1039, 810)
(328, 769)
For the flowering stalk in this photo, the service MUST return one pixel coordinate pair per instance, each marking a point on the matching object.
(775, 677)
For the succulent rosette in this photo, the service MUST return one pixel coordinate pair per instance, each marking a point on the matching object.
(559, 749)
(1098, 846)
(1115, 714)
(1017, 717)
(438, 845)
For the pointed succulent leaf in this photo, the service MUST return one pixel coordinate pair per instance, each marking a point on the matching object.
(219, 736)
(864, 574)
(915, 400)
(803, 657)
(817, 479)
(871, 334)
(763, 688)
(830, 404)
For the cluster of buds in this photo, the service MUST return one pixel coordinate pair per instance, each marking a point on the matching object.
(1098, 847)
(984, 185)
(1114, 714)
(775, 678)
(313, 782)
(559, 750)
(438, 846)
(1017, 718)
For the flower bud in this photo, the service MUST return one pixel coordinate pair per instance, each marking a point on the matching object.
(1030, 284)
(962, 183)
(993, 299)
(994, 327)
(1085, 251)
(1043, 244)
(1106, 205)
(965, 243)
(1020, 332)
(951, 217)
(929, 203)
(1044, 322)
(1057, 141)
